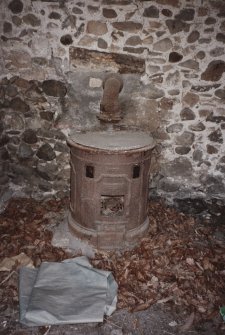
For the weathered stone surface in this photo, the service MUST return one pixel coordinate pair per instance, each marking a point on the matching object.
(222, 26)
(61, 147)
(222, 160)
(22, 83)
(54, 16)
(102, 44)
(168, 185)
(174, 3)
(152, 92)
(211, 149)
(197, 127)
(197, 155)
(133, 41)
(179, 167)
(128, 26)
(46, 152)
(47, 115)
(166, 12)
(193, 36)
(210, 20)
(200, 54)
(216, 52)
(47, 171)
(190, 64)
(214, 71)
(19, 105)
(202, 11)
(51, 133)
(174, 92)
(80, 30)
(175, 57)
(174, 128)
(11, 91)
(215, 185)
(160, 33)
(77, 10)
(70, 21)
(148, 40)
(163, 45)
(204, 40)
(31, 20)
(29, 136)
(216, 136)
(151, 11)
(182, 150)
(209, 30)
(156, 60)
(92, 9)
(15, 140)
(109, 13)
(185, 139)
(215, 118)
(2, 92)
(175, 26)
(24, 151)
(124, 63)
(186, 14)
(19, 59)
(166, 103)
(4, 154)
(15, 122)
(41, 61)
(45, 186)
(191, 99)
(54, 88)
(220, 168)
(220, 93)
(87, 41)
(4, 139)
(204, 88)
(66, 39)
(116, 2)
(97, 28)
(16, 6)
(173, 78)
(220, 37)
(155, 25)
(7, 27)
(134, 50)
(151, 69)
(16, 20)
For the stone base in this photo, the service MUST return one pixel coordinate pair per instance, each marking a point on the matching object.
(114, 237)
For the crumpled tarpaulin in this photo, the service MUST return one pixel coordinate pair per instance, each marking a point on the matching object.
(65, 293)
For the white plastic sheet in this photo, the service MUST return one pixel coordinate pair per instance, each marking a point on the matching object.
(65, 293)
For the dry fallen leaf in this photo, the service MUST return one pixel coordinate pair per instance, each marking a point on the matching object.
(188, 324)
(8, 263)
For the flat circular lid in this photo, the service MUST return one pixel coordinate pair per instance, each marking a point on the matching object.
(113, 140)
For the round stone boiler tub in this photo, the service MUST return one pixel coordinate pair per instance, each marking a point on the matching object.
(109, 187)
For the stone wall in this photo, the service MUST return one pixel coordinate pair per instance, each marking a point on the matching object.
(170, 53)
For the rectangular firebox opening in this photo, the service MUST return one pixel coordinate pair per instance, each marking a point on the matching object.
(112, 205)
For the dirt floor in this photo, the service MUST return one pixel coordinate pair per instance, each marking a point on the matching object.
(172, 283)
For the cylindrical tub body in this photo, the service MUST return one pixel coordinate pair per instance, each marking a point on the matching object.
(109, 193)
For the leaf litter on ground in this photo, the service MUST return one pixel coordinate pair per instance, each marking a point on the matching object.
(179, 262)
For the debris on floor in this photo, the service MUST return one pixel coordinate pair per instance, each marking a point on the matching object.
(65, 292)
(179, 265)
(8, 263)
(181, 262)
